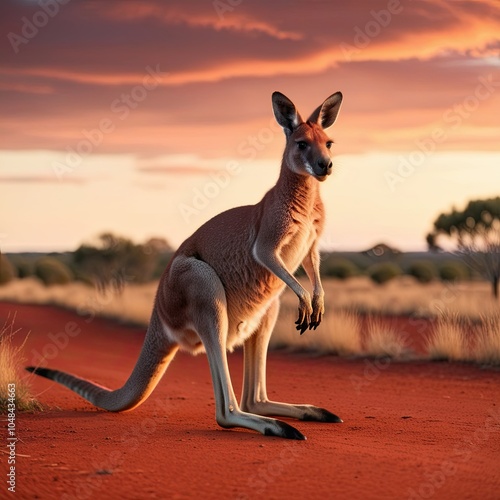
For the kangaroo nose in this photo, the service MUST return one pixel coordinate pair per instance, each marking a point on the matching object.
(325, 166)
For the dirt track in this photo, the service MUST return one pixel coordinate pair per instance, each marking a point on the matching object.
(415, 430)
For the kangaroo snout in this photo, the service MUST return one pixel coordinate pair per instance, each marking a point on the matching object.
(323, 167)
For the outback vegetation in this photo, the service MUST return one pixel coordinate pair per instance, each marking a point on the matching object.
(475, 234)
(115, 277)
(11, 363)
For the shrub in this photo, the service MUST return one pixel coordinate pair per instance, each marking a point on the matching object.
(7, 271)
(340, 268)
(52, 271)
(453, 271)
(424, 271)
(383, 272)
(112, 261)
(24, 267)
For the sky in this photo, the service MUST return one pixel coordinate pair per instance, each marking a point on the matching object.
(148, 117)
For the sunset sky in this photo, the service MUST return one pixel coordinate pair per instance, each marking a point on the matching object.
(147, 117)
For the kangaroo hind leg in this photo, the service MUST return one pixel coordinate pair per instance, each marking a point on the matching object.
(207, 311)
(254, 398)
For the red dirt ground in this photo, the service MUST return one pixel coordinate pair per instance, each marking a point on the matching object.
(411, 430)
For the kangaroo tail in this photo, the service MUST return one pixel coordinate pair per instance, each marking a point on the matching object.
(156, 354)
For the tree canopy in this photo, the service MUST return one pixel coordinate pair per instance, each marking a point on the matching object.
(475, 232)
(114, 260)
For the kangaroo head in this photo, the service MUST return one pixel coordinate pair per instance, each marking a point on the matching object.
(308, 148)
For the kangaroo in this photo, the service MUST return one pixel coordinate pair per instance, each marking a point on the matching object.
(222, 287)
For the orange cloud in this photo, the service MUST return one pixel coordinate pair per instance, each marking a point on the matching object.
(233, 20)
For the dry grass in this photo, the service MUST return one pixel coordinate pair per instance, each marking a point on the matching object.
(337, 334)
(487, 344)
(406, 296)
(454, 305)
(401, 296)
(383, 341)
(448, 340)
(11, 365)
(457, 339)
(133, 304)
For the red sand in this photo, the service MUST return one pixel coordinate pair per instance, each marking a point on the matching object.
(411, 430)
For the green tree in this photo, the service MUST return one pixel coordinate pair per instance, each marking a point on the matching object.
(114, 260)
(475, 233)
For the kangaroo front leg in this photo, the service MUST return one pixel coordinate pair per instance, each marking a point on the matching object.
(266, 252)
(254, 398)
(311, 267)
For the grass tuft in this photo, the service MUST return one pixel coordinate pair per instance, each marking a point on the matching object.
(487, 345)
(384, 341)
(11, 364)
(447, 341)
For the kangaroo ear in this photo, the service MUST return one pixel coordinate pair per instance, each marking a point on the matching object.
(285, 112)
(326, 114)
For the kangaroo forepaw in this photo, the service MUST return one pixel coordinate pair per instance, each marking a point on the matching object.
(309, 319)
(306, 323)
(318, 311)
(305, 313)
(302, 325)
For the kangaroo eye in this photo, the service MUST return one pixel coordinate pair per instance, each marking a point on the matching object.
(329, 144)
(302, 145)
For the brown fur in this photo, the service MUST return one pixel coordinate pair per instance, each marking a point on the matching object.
(222, 287)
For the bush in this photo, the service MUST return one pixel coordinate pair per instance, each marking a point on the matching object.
(24, 266)
(340, 268)
(52, 271)
(424, 271)
(453, 271)
(113, 260)
(383, 272)
(7, 271)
